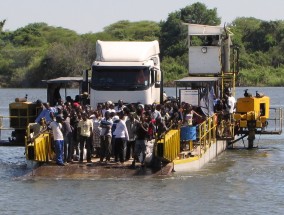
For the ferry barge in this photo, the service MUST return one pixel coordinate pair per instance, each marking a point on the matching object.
(213, 68)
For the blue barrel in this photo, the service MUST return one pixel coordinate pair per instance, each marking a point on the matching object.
(188, 133)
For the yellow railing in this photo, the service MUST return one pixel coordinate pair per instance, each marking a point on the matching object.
(168, 148)
(38, 146)
(207, 133)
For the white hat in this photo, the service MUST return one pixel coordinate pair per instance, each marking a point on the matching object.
(114, 118)
(141, 105)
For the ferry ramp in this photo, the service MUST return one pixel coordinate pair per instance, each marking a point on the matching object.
(94, 170)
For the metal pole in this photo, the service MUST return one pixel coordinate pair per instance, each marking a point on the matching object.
(162, 88)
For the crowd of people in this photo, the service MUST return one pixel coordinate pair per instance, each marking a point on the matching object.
(112, 132)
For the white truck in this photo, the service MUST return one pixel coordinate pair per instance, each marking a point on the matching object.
(129, 71)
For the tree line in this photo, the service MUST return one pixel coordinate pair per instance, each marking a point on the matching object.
(39, 51)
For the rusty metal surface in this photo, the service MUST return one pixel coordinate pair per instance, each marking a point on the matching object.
(95, 170)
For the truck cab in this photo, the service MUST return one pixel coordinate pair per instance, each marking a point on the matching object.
(129, 71)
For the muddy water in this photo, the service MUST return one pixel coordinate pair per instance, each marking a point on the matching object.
(237, 182)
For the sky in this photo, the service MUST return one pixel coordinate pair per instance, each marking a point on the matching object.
(91, 16)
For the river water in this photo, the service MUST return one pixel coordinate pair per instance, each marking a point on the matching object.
(237, 182)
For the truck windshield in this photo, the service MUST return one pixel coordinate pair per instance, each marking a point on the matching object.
(115, 78)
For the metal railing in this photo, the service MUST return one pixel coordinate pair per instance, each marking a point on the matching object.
(168, 148)
(38, 146)
(277, 120)
(2, 125)
(18, 118)
(19, 123)
(207, 133)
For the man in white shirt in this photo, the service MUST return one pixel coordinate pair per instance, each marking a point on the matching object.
(120, 106)
(121, 136)
(58, 138)
(231, 103)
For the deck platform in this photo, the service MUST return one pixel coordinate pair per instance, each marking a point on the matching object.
(95, 170)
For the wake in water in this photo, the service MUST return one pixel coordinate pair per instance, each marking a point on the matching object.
(12, 162)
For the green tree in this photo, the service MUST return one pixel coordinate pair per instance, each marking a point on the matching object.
(173, 68)
(27, 36)
(264, 37)
(261, 44)
(54, 51)
(173, 37)
(63, 60)
(26, 52)
(130, 31)
(2, 23)
(198, 13)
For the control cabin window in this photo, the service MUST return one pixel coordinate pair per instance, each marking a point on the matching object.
(262, 109)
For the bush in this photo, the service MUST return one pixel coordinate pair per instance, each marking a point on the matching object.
(262, 76)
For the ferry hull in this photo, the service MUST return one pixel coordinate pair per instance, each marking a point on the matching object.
(197, 162)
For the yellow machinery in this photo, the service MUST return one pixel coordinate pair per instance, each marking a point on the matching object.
(38, 143)
(251, 114)
(252, 109)
(21, 114)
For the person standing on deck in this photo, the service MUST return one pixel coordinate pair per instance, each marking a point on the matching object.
(156, 111)
(56, 127)
(45, 113)
(165, 116)
(131, 125)
(139, 111)
(67, 130)
(231, 103)
(160, 128)
(85, 127)
(96, 133)
(141, 140)
(230, 109)
(107, 108)
(105, 136)
(120, 106)
(189, 114)
(74, 120)
(115, 119)
(121, 136)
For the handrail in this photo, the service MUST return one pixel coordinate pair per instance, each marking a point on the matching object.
(2, 118)
(278, 119)
(207, 132)
(39, 146)
(168, 148)
(170, 145)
